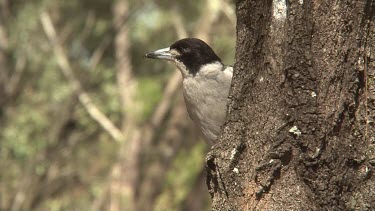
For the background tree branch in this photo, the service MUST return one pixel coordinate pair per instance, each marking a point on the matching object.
(66, 69)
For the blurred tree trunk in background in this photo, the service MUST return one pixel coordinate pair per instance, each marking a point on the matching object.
(125, 171)
(300, 133)
(4, 69)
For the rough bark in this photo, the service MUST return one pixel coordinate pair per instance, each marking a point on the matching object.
(300, 132)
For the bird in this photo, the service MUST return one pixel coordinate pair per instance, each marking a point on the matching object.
(205, 85)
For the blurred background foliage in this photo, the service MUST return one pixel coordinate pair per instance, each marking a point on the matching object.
(54, 154)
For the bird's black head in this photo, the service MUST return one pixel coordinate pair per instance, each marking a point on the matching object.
(192, 53)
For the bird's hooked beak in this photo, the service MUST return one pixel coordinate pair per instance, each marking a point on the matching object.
(163, 53)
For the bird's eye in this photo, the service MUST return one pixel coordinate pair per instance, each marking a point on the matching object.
(185, 50)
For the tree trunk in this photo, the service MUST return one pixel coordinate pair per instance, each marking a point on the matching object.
(300, 129)
(125, 171)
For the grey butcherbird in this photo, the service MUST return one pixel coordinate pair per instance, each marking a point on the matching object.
(206, 83)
